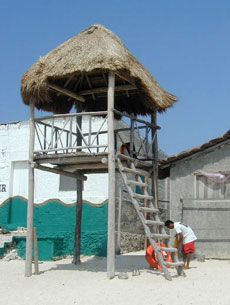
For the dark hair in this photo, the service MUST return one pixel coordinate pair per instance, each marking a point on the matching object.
(168, 222)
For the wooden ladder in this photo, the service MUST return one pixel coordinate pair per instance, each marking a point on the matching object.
(145, 207)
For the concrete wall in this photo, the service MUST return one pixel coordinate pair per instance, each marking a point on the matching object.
(14, 139)
(208, 218)
(55, 198)
(55, 223)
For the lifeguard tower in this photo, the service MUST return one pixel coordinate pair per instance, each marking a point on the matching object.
(95, 73)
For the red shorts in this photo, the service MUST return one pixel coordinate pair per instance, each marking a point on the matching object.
(188, 248)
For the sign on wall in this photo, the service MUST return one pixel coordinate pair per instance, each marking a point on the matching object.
(2, 188)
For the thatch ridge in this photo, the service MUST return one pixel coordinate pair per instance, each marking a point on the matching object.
(94, 49)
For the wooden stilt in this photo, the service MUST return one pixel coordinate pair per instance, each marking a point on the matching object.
(30, 205)
(118, 248)
(111, 171)
(146, 215)
(77, 240)
(36, 267)
(155, 164)
(77, 244)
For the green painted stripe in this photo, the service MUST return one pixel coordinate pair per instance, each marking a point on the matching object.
(55, 223)
(52, 200)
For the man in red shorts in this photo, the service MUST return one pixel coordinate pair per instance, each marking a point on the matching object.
(187, 236)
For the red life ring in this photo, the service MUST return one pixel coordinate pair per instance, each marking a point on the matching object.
(151, 257)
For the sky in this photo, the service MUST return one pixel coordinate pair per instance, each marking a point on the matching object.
(184, 44)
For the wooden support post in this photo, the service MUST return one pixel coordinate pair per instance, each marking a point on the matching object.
(146, 215)
(111, 171)
(36, 252)
(77, 241)
(60, 172)
(30, 205)
(132, 138)
(118, 249)
(155, 160)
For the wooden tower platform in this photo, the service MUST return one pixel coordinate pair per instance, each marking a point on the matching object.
(96, 74)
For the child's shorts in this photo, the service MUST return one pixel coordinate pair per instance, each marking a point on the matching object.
(188, 248)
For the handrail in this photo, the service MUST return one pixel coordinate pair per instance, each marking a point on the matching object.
(69, 148)
(95, 113)
(61, 137)
(136, 119)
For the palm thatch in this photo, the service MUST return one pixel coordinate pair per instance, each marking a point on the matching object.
(78, 68)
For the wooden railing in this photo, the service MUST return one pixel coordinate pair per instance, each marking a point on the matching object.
(60, 133)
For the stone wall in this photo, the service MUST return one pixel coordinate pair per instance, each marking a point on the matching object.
(132, 231)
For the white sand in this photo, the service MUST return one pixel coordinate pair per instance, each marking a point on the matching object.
(61, 282)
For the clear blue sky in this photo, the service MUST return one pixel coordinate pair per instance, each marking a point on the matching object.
(184, 44)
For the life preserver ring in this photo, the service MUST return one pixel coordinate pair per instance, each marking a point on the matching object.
(151, 257)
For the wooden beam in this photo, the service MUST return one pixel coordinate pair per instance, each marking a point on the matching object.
(67, 82)
(105, 89)
(78, 82)
(77, 237)
(155, 160)
(60, 172)
(77, 242)
(118, 248)
(111, 171)
(74, 159)
(89, 84)
(105, 79)
(124, 78)
(84, 166)
(66, 92)
(30, 204)
(68, 115)
(136, 119)
(36, 267)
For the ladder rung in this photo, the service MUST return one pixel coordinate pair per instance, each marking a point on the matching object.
(136, 161)
(154, 222)
(160, 236)
(6, 238)
(176, 264)
(121, 156)
(149, 210)
(168, 249)
(140, 196)
(141, 184)
(138, 172)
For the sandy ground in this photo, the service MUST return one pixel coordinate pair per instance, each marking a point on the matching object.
(60, 282)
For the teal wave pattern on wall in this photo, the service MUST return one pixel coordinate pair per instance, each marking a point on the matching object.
(55, 223)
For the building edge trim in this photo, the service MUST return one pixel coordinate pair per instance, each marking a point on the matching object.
(40, 204)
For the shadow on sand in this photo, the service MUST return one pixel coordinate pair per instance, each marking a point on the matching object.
(123, 263)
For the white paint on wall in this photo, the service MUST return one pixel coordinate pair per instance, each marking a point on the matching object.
(19, 178)
(14, 140)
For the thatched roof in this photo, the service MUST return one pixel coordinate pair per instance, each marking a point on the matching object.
(81, 64)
